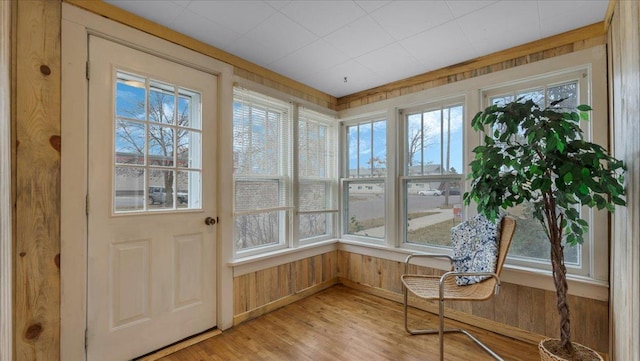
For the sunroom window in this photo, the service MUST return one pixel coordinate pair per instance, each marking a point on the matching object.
(363, 183)
(317, 178)
(262, 172)
(433, 180)
(530, 245)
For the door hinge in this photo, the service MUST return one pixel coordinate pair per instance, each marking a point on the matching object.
(86, 204)
(87, 70)
(86, 338)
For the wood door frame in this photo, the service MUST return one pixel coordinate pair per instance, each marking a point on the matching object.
(76, 25)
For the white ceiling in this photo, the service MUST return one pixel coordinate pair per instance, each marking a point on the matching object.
(371, 43)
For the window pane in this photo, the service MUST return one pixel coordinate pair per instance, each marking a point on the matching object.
(189, 189)
(130, 142)
(365, 214)
(189, 144)
(161, 139)
(313, 225)
(434, 141)
(257, 194)
(379, 159)
(129, 188)
(162, 103)
(530, 240)
(314, 196)
(131, 97)
(188, 114)
(365, 151)
(255, 230)
(161, 185)
(433, 207)
(367, 144)
(537, 95)
(568, 91)
(352, 142)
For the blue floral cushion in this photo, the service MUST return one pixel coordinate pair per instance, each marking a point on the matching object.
(475, 248)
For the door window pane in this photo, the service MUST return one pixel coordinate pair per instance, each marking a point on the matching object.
(156, 139)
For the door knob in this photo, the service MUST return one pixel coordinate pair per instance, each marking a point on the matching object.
(210, 221)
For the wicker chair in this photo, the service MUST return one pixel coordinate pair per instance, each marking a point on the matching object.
(445, 287)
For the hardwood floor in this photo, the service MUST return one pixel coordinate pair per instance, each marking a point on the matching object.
(345, 324)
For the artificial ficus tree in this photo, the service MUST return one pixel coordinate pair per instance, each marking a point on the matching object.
(539, 155)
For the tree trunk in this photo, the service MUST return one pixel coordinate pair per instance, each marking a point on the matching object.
(560, 281)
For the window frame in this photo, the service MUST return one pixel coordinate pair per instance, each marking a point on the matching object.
(346, 178)
(584, 266)
(283, 178)
(289, 218)
(330, 211)
(404, 178)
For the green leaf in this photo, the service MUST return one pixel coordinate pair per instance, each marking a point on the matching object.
(568, 177)
(583, 189)
(584, 107)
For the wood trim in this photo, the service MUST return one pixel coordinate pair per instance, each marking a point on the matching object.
(37, 232)
(569, 37)
(259, 311)
(129, 19)
(608, 17)
(6, 244)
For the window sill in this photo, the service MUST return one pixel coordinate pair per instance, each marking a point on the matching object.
(274, 258)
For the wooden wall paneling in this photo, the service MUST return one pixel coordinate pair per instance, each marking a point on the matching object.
(286, 286)
(318, 269)
(239, 295)
(37, 236)
(624, 65)
(7, 182)
(354, 272)
(329, 266)
(531, 299)
(505, 304)
(301, 275)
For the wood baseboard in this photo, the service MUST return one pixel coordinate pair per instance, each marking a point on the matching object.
(237, 319)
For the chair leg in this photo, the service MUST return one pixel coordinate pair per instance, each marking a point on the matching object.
(441, 330)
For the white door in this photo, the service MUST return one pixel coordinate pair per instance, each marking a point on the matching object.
(151, 257)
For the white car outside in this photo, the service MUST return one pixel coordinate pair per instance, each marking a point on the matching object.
(430, 192)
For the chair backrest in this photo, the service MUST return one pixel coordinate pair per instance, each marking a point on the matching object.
(507, 229)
